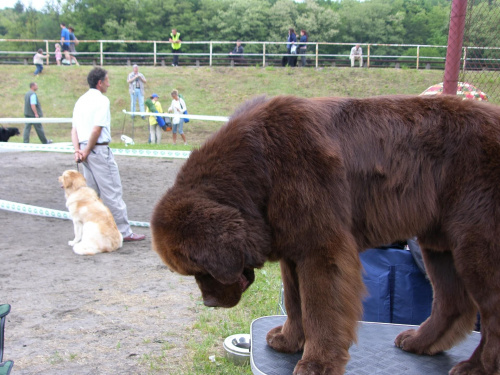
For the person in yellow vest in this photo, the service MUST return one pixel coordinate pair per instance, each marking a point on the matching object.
(175, 39)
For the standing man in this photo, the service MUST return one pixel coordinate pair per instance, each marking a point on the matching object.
(65, 43)
(136, 82)
(33, 109)
(175, 39)
(356, 54)
(91, 134)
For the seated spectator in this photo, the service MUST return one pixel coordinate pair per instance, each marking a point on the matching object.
(356, 54)
(238, 50)
(237, 53)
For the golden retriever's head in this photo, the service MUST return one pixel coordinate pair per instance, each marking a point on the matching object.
(199, 237)
(71, 181)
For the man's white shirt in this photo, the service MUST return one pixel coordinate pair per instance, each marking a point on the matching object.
(92, 109)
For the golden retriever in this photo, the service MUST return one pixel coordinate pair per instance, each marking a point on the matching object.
(95, 227)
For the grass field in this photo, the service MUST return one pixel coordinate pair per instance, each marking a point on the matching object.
(207, 91)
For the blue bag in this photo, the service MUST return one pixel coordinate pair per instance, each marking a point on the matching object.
(185, 119)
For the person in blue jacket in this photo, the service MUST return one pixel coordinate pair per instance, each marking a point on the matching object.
(302, 47)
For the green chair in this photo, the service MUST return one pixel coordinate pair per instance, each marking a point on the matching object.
(6, 366)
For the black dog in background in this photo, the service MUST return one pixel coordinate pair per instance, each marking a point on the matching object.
(6, 133)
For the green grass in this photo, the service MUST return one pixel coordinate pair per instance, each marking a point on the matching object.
(207, 91)
(213, 325)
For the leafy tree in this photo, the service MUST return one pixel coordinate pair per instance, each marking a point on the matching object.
(18, 7)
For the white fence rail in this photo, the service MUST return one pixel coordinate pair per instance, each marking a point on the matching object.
(264, 53)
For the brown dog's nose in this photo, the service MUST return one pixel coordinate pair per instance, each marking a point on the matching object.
(210, 302)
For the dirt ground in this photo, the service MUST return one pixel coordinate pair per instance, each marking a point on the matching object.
(115, 313)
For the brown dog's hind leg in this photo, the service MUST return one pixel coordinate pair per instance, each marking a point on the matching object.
(331, 288)
(481, 271)
(289, 338)
(453, 311)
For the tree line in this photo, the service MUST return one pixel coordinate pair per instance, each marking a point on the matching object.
(349, 21)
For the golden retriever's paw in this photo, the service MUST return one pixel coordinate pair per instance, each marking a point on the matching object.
(305, 367)
(281, 343)
(81, 249)
(410, 342)
(469, 368)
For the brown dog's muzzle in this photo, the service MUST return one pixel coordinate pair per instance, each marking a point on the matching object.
(216, 294)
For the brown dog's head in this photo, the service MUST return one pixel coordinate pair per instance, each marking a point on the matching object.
(197, 236)
(71, 181)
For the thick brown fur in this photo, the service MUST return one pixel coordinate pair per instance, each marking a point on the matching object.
(95, 227)
(312, 182)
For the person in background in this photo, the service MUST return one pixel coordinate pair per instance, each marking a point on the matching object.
(58, 53)
(356, 54)
(90, 135)
(33, 109)
(303, 47)
(65, 43)
(73, 43)
(175, 39)
(238, 49)
(38, 61)
(178, 106)
(237, 52)
(136, 83)
(291, 40)
(154, 129)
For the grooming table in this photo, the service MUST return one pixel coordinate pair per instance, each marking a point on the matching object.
(374, 353)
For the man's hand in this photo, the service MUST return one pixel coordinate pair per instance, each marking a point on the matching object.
(78, 156)
(81, 155)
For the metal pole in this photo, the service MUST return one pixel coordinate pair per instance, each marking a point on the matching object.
(154, 54)
(418, 55)
(102, 58)
(317, 51)
(368, 57)
(454, 51)
(264, 55)
(465, 58)
(211, 46)
(47, 50)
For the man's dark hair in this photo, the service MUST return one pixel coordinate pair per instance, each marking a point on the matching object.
(32, 84)
(63, 24)
(96, 75)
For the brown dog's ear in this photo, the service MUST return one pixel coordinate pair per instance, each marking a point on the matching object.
(215, 240)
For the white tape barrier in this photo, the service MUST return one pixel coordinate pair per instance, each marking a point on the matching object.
(48, 120)
(67, 147)
(191, 117)
(33, 120)
(47, 212)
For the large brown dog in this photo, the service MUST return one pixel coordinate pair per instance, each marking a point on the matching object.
(313, 182)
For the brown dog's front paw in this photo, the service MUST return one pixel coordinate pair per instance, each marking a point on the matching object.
(408, 341)
(282, 343)
(468, 368)
(305, 367)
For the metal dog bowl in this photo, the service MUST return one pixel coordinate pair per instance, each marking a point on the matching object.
(237, 348)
